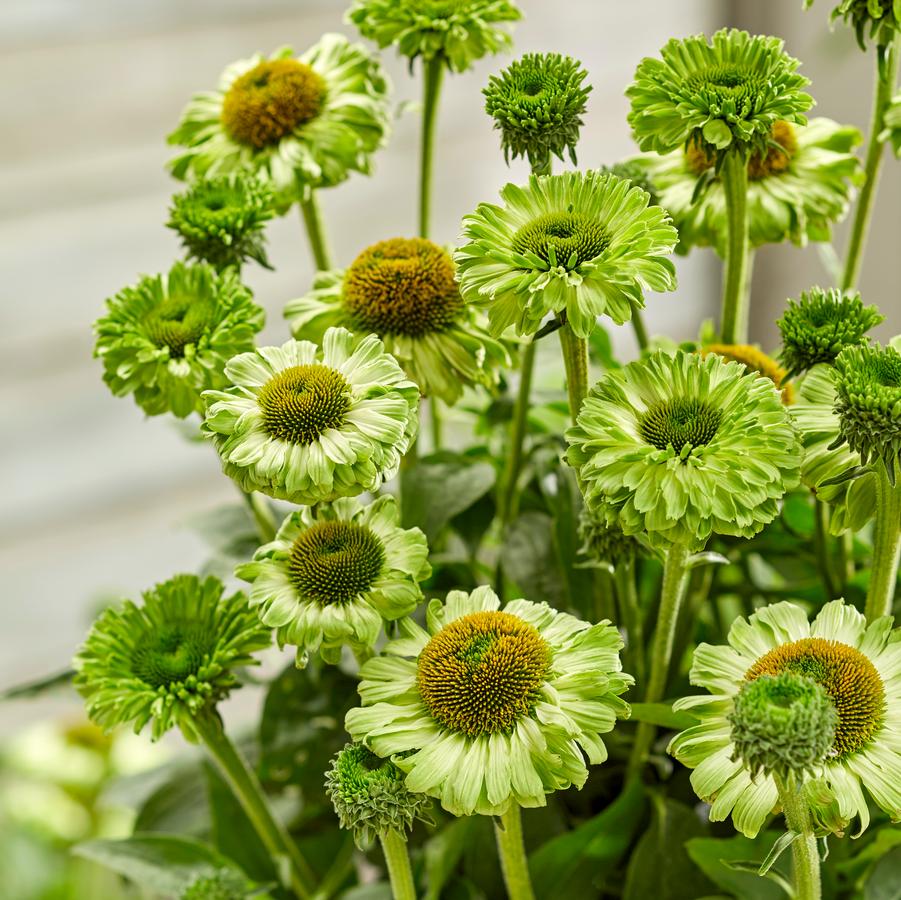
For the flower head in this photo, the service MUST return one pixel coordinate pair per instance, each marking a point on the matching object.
(797, 189)
(457, 31)
(683, 447)
(370, 795)
(489, 707)
(300, 122)
(335, 572)
(220, 220)
(818, 326)
(605, 545)
(306, 424)
(756, 361)
(537, 104)
(858, 667)
(167, 338)
(725, 94)
(403, 290)
(585, 244)
(169, 660)
(880, 20)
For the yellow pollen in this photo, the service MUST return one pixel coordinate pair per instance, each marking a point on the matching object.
(756, 361)
(699, 157)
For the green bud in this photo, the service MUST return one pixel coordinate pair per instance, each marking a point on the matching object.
(605, 545)
(221, 885)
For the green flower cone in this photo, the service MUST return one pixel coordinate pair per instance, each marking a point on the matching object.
(878, 20)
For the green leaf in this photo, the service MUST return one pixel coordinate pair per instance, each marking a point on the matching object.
(662, 716)
(717, 133)
(600, 349)
(443, 853)
(529, 561)
(37, 687)
(177, 803)
(884, 882)
(717, 858)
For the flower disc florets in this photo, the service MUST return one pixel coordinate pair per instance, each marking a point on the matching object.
(220, 220)
(818, 326)
(880, 20)
(370, 796)
(169, 660)
(583, 244)
(684, 446)
(726, 94)
(457, 31)
(782, 725)
(489, 707)
(167, 338)
(537, 104)
(756, 362)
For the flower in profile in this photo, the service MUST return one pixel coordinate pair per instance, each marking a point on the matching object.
(403, 290)
(798, 187)
(306, 424)
(301, 122)
(221, 220)
(879, 20)
(537, 104)
(755, 362)
(583, 244)
(167, 338)
(489, 707)
(457, 31)
(370, 796)
(604, 544)
(858, 668)
(727, 93)
(169, 660)
(684, 446)
(334, 572)
(819, 325)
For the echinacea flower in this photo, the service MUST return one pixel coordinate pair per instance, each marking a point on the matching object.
(306, 424)
(799, 187)
(724, 94)
(301, 122)
(169, 660)
(370, 795)
(457, 31)
(221, 220)
(756, 361)
(684, 446)
(168, 338)
(858, 667)
(333, 573)
(403, 290)
(583, 244)
(487, 708)
(879, 20)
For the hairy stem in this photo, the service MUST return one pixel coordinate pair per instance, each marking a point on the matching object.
(312, 220)
(433, 76)
(436, 423)
(638, 326)
(821, 542)
(734, 175)
(512, 854)
(886, 545)
(575, 359)
(518, 427)
(394, 847)
(630, 616)
(805, 854)
(263, 517)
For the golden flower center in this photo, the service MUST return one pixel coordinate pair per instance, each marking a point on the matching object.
(300, 403)
(780, 152)
(178, 321)
(483, 672)
(270, 101)
(402, 286)
(755, 361)
(847, 676)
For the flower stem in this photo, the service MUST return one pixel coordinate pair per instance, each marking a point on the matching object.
(512, 853)
(630, 616)
(434, 75)
(675, 579)
(394, 846)
(436, 423)
(518, 426)
(312, 219)
(293, 869)
(575, 359)
(267, 527)
(638, 326)
(886, 545)
(821, 541)
(886, 74)
(734, 175)
(805, 854)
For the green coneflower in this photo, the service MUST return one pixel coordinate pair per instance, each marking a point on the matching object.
(334, 573)
(583, 244)
(537, 104)
(306, 424)
(457, 31)
(604, 544)
(167, 338)
(639, 174)
(301, 122)
(755, 361)
(171, 659)
(403, 290)
(221, 220)
(879, 20)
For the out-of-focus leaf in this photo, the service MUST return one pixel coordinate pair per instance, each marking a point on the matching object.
(178, 804)
(716, 857)
(884, 882)
(443, 852)
(529, 561)
(662, 715)
(797, 512)
(472, 524)
(38, 686)
(600, 349)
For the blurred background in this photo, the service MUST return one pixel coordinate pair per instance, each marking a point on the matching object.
(96, 501)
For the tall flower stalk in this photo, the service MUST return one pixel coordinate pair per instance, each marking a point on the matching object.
(736, 273)
(433, 77)
(512, 853)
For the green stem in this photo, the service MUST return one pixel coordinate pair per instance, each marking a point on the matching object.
(630, 616)
(394, 846)
(886, 544)
(638, 326)
(518, 428)
(263, 517)
(734, 175)
(805, 853)
(434, 75)
(293, 869)
(672, 592)
(512, 853)
(312, 219)
(886, 74)
(436, 423)
(821, 541)
(575, 359)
